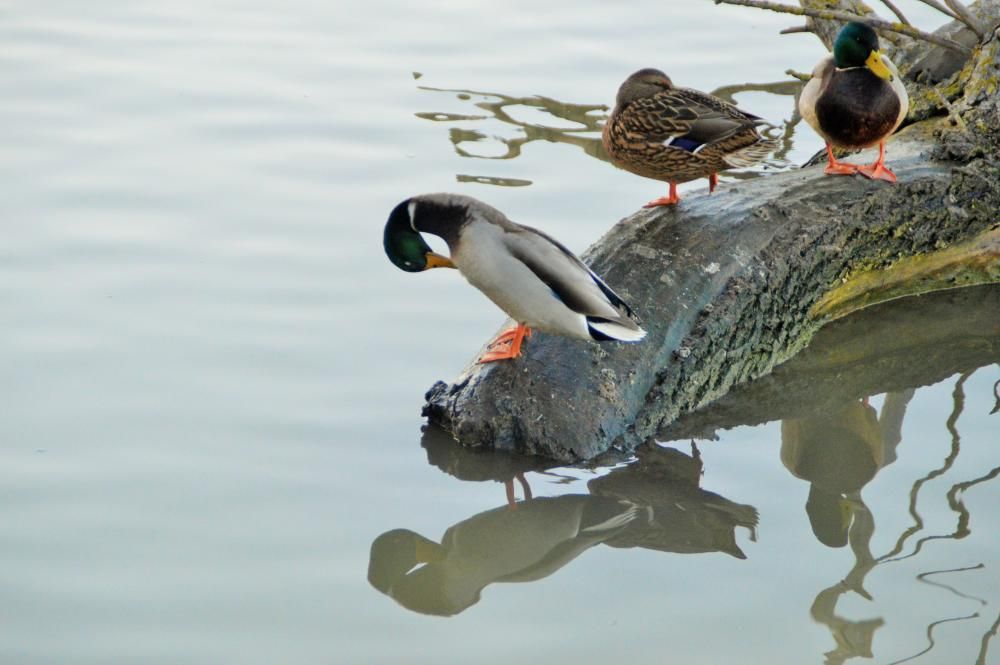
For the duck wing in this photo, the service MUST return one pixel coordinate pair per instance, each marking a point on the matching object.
(688, 119)
(574, 284)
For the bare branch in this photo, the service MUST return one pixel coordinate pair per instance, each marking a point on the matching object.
(834, 15)
(895, 10)
(965, 17)
(795, 29)
(941, 8)
(798, 75)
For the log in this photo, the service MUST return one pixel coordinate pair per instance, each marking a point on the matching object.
(891, 348)
(732, 284)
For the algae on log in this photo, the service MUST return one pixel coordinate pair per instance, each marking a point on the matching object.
(725, 285)
(893, 347)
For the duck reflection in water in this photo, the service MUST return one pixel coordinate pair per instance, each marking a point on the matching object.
(498, 545)
(839, 451)
(475, 465)
(667, 511)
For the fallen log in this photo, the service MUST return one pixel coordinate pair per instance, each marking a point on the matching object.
(732, 284)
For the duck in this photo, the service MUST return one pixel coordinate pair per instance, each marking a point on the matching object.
(664, 132)
(495, 546)
(855, 99)
(539, 283)
(838, 452)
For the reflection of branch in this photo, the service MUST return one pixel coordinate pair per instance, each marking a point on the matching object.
(853, 638)
(955, 493)
(727, 92)
(986, 641)
(923, 578)
(930, 636)
(835, 15)
(496, 104)
(918, 522)
(586, 135)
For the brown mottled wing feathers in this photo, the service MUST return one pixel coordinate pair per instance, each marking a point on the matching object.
(635, 135)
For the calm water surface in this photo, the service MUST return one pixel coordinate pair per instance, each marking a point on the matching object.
(212, 376)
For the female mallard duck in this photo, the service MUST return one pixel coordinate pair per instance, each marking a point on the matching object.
(855, 99)
(534, 279)
(679, 134)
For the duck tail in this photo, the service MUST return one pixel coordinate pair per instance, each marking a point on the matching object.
(606, 330)
(751, 154)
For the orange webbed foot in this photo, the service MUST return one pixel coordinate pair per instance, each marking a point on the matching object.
(877, 171)
(841, 168)
(668, 200)
(833, 167)
(507, 344)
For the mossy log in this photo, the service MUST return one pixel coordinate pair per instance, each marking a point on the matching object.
(731, 284)
(891, 348)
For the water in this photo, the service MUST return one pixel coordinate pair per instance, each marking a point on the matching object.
(213, 377)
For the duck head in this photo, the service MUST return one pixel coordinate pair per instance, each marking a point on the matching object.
(644, 83)
(857, 46)
(403, 243)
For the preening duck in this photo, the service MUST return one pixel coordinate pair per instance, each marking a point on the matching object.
(499, 545)
(855, 99)
(673, 134)
(530, 276)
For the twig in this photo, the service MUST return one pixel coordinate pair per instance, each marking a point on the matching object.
(957, 11)
(835, 15)
(941, 8)
(795, 29)
(965, 17)
(800, 76)
(895, 10)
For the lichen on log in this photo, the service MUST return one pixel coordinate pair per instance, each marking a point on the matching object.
(729, 285)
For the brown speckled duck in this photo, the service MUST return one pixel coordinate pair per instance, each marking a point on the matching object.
(678, 134)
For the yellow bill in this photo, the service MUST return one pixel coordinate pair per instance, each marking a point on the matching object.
(878, 67)
(437, 261)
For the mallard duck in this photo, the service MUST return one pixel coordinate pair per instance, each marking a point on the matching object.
(838, 452)
(855, 99)
(534, 279)
(498, 545)
(678, 134)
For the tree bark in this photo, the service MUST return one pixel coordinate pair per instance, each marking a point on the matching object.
(732, 284)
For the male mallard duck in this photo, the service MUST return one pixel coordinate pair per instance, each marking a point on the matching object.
(855, 99)
(679, 134)
(498, 545)
(534, 279)
(838, 452)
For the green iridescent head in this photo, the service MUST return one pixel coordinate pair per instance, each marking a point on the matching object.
(857, 46)
(404, 245)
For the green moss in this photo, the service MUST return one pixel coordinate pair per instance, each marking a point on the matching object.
(976, 261)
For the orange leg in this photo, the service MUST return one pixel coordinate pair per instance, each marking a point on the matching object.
(669, 200)
(878, 170)
(509, 488)
(838, 168)
(524, 485)
(511, 501)
(511, 339)
(713, 182)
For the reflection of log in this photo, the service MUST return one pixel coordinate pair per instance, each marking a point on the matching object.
(681, 516)
(903, 344)
(725, 284)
